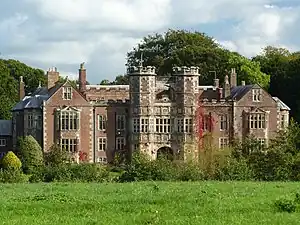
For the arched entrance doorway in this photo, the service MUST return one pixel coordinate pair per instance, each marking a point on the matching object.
(165, 152)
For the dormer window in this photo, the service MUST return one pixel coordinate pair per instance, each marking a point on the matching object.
(256, 95)
(67, 93)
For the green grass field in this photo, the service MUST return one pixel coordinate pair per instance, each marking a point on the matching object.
(146, 203)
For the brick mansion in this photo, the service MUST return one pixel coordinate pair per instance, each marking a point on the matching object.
(151, 114)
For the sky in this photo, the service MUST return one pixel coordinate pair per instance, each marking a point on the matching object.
(65, 33)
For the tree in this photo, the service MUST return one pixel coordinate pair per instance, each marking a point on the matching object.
(74, 83)
(183, 48)
(10, 71)
(105, 82)
(11, 161)
(119, 80)
(30, 153)
(283, 66)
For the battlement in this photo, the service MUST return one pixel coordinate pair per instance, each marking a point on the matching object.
(184, 70)
(118, 101)
(107, 87)
(148, 70)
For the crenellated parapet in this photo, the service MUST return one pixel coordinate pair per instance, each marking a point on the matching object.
(108, 87)
(184, 70)
(118, 101)
(139, 70)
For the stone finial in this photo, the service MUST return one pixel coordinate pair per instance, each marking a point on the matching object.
(40, 84)
(21, 79)
(226, 81)
(82, 65)
(216, 82)
(243, 83)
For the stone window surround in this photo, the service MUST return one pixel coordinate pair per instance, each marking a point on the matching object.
(3, 142)
(120, 143)
(102, 143)
(69, 144)
(66, 111)
(101, 122)
(223, 142)
(67, 93)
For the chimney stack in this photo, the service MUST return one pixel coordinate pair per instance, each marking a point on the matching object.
(226, 87)
(52, 77)
(233, 78)
(21, 88)
(243, 83)
(82, 78)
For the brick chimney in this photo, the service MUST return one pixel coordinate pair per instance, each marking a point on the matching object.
(227, 87)
(52, 77)
(82, 78)
(21, 88)
(233, 78)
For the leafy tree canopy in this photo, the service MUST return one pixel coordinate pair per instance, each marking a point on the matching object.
(10, 71)
(283, 66)
(184, 48)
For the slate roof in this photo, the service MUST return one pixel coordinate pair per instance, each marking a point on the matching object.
(238, 92)
(5, 127)
(281, 104)
(35, 100)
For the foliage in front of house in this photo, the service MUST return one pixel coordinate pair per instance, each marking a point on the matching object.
(30, 153)
(243, 161)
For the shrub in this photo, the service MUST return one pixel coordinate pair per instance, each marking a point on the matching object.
(38, 175)
(139, 169)
(142, 169)
(11, 161)
(234, 169)
(71, 173)
(12, 176)
(30, 153)
(189, 171)
(56, 156)
(162, 169)
(60, 173)
(88, 173)
(285, 205)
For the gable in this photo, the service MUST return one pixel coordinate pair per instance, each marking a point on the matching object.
(67, 94)
(246, 96)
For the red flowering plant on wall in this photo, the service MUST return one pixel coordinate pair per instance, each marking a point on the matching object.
(82, 156)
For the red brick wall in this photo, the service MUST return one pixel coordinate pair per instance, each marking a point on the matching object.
(85, 132)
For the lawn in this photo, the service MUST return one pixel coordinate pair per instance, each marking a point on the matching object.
(146, 203)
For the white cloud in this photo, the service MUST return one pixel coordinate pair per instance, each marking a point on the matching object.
(266, 27)
(64, 33)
